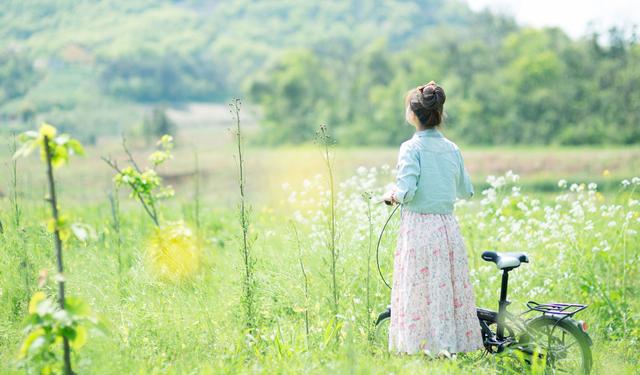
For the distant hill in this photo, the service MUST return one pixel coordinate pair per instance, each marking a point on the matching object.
(93, 67)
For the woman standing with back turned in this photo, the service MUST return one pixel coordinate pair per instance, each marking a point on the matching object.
(432, 301)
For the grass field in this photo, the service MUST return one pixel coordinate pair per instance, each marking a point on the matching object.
(583, 241)
(540, 168)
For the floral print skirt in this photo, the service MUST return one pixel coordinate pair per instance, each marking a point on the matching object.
(432, 301)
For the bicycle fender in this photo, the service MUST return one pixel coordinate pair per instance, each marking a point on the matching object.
(562, 318)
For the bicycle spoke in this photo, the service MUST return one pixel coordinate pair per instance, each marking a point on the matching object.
(568, 346)
(559, 345)
(563, 371)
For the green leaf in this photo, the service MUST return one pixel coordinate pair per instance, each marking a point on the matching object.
(35, 301)
(29, 342)
(80, 338)
(26, 149)
(68, 332)
(76, 147)
(59, 156)
(29, 135)
(47, 130)
(77, 307)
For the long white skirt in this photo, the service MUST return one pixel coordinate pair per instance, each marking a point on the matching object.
(432, 301)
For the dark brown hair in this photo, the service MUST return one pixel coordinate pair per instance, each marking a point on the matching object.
(427, 102)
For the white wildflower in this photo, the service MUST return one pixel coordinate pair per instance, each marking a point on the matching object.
(292, 197)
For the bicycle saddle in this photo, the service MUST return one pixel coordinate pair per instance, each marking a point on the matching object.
(505, 260)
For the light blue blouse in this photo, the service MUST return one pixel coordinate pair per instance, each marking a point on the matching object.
(431, 174)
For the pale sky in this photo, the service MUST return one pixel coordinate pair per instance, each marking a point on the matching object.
(570, 15)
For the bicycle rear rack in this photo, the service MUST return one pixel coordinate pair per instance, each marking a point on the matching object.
(564, 309)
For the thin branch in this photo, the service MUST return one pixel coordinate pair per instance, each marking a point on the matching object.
(126, 149)
(151, 212)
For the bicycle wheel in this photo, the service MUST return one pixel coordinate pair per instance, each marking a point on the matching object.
(380, 341)
(566, 347)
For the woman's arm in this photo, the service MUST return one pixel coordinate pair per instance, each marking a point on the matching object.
(408, 173)
(464, 189)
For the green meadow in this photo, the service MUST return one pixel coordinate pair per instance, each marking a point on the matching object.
(582, 240)
(202, 255)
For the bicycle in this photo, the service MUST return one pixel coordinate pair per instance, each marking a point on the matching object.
(553, 337)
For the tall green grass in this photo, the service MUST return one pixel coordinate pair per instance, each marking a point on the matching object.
(582, 244)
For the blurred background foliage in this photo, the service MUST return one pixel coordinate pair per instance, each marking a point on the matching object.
(98, 68)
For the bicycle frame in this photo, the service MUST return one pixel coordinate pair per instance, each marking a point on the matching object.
(561, 311)
(500, 342)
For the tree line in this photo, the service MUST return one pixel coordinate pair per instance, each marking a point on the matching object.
(503, 85)
(346, 63)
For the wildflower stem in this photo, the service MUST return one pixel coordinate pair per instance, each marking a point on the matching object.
(14, 184)
(196, 213)
(368, 286)
(115, 225)
(248, 284)
(306, 283)
(326, 142)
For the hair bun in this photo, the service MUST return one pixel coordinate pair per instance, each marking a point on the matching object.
(431, 96)
(427, 102)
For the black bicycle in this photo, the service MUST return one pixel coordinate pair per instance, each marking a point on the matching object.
(553, 337)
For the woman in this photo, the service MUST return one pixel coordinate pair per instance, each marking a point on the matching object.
(432, 301)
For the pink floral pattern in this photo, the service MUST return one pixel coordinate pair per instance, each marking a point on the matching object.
(432, 301)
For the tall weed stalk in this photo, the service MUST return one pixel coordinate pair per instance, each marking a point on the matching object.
(325, 141)
(114, 203)
(248, 298)
(14, 184)
(17, 213)
(305, 280)
(370, 331)
(196, 198)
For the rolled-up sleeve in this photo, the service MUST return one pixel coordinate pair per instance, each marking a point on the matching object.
(464, 188)
(408, 173)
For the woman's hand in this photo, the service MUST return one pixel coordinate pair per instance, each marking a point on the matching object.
(389, 199)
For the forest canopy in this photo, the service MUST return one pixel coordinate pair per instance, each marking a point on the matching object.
(92, 66)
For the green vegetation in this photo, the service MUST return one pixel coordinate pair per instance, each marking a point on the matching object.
(92, 67)
(287, 283)
(581, 243)
(249, 283)
(47, 323)
(504, 85)
(146, 186)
